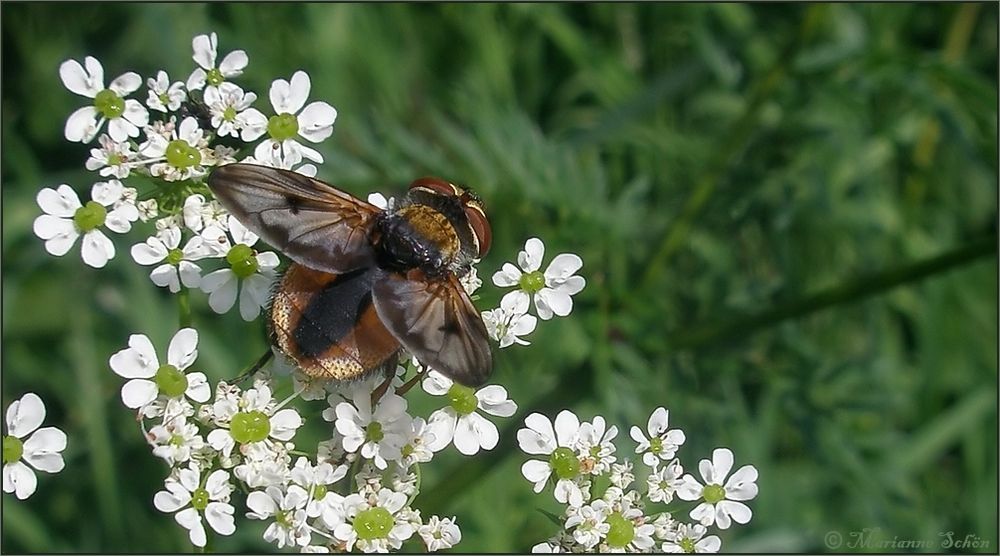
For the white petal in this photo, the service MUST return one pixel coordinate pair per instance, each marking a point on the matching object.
(493, 400)
(268, 260)
(81, 126)
(139, 392)
(703, 513)
(190, 519)
(567, 426)
(165, 276)
(485, 431)
(261, 504)
(151, 252)
(249, 307)
(197, 80)
(738, 511)
(466, 438)
(121, 129)
(198, 388)
(19, 479)
(204, 51)
(25, 415)
(436, 384)
(42, 449)
(316, 121)
(508, 276)
(253, 124)
(120, 219)
(539, 438)
(530, 259)
(289, 97)
(555, 301)
(535, 470)
(62, 201)
(172, 499)
(284, 424)
(689, 488)
(183, 348)
(220, 517)
(572, 286)
(107, 192)
(222, 298)
(742, 486)
(62, 234)
(136, 361)
(126, 83)
(722, 464)
(77, 80)
(233, 64)
(190, 274)
(442, 423)
(97, 249)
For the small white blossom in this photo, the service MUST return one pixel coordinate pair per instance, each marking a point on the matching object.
(316, 481)
(589, 523)
(313, 123)
(175, 440)
(253, 270)
(510, 321)
(206, 49)
(227, 104)
(249, 417)
(40, 450)
(185, 496)
(664, 482)
(148, 209)
(148, 379)
(113, 158)
(662, 443)
(182, 155)
(595, 447)
(164, 95)
(622, 475)
(178, 264)
(722, 501)
(551, 290)
(65, 219)
(124, 116)
(691, 539)
(459, 421)
(264, 463)
(559, 444)
(374, 514)
(289, 512)
(440, 533)
(379, 433)
(200, 214)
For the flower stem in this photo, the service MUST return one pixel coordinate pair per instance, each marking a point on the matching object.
(416, 486)
(184, 307)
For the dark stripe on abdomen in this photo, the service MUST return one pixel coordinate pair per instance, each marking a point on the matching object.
(333, 312)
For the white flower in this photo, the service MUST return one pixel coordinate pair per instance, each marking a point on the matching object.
(546, 548)
(377, 199)
(313, 123)
(664, 481)
(178, 264)
(378, 434)
(688, 539)
(459, 421)
(289, 512)
(148, 209)
(560, 445)
(124, 117)
(227, 104)
(149, 379)
(590, 523)
(471, 280)
(200, 214)
(423, 440)
(379, 517)
(550, 290)
(175, 440)
(722, 503)
(254, 270)
(316, 481)
(65, 219)
(621, 475)
(184, 493)
(163, 95)
(249, 418)
(40, 450)
(510, 321)
(205, 52)
(265, 463)
(182, 155)
(440, 533)
(662, 443)
(113, 158)
(595, 447)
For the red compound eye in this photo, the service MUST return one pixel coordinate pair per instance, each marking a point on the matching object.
(436, 185)
(480, 226)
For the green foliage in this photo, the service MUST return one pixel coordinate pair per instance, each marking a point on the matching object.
(709, 163)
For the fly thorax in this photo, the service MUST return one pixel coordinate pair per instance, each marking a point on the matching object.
(415, 236)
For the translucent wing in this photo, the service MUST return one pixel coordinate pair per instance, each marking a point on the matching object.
(310, 221)
(436, 321)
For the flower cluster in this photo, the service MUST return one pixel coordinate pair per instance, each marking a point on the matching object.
(605, 512)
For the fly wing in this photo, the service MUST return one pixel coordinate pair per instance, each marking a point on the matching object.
(312, 222)
(436, 321)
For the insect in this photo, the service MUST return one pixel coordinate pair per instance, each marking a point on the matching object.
(366, 282)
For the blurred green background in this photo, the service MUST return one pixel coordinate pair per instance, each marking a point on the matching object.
(787, 215)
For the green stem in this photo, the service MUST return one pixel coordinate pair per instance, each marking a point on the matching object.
(734, 141)
(854, 290)
(184, 307)
(416, 490)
